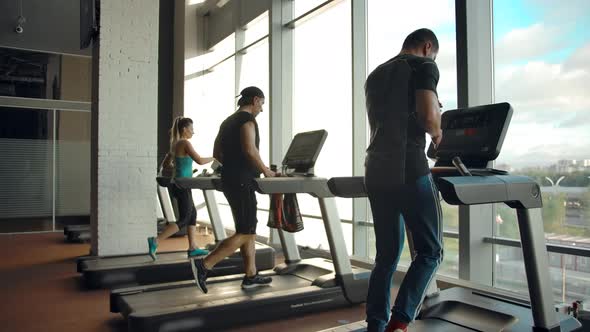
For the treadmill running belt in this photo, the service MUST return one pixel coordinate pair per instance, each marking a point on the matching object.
(418, 326)
(191, 295)
(143, 260)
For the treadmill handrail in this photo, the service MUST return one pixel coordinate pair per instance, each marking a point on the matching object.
(514, 190)
(348, 187)
(315, 186)
(197, 182)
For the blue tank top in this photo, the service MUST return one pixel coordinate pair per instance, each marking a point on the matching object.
(183, 167)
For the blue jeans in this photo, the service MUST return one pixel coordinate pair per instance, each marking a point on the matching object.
(417, 204)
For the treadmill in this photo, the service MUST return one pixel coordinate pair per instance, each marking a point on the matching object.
(77, 233)
(471, 138)
(140, 269)
(299, 285)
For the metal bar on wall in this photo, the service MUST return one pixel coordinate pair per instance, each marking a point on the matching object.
(554, 248)
(311, 13)
(46, 104)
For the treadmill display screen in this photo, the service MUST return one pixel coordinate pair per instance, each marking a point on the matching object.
(304, 150)
(474, 133)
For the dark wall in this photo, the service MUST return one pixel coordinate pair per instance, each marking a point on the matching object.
(165, 75)
(51, 25)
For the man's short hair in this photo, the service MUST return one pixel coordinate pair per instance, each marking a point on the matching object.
(419, 37)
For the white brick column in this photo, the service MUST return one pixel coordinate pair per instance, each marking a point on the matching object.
(124, 127)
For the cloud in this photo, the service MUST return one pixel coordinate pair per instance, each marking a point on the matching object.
(389, 22)
(547, 93)
(528, 43)
(551, 109)
(577, 119)
(561, 11)
(578, 59)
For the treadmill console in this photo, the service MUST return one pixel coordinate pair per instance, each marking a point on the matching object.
(474, 134)
(304, 151)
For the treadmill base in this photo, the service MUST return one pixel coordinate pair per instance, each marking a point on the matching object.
(137, 270)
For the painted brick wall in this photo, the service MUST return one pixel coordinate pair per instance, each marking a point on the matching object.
(124, 211)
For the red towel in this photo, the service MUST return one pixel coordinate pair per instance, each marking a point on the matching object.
(284, 213)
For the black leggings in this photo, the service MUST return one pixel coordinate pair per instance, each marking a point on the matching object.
(187, 214)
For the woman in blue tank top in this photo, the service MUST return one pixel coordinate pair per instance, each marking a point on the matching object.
(180, 158)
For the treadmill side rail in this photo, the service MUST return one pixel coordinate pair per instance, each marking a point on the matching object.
(216, 223)
(197, 182)
(536, 265)
(516, 191)
(314, 186)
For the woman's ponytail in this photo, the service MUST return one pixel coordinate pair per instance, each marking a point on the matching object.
(176, 131)
(174, 134)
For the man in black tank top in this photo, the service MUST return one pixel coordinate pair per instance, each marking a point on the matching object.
(402, 106)
(236, 147)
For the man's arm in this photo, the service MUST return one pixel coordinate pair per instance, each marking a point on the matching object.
(427, 104)
(428, 110)
(248, 138)
(217, 150)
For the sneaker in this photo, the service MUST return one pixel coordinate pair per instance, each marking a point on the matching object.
(196, 252)
(200, 273)
(255, 281)
(152, 247)
(395, 326)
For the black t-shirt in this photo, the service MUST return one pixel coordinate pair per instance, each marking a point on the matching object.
(237, 168)
(396, 150)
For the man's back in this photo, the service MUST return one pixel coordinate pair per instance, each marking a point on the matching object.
(236, 165)
(396, 150)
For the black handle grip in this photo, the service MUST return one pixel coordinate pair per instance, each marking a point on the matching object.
(461, 167)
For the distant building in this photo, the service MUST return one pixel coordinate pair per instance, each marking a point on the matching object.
(570, 166)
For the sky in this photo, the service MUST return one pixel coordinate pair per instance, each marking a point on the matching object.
(541, 52)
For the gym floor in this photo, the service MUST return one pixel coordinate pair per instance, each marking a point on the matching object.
(41, 291)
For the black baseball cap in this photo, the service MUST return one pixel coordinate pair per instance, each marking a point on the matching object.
(251, 92)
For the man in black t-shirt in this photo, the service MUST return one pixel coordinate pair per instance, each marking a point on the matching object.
(236, 147)
(402, 106)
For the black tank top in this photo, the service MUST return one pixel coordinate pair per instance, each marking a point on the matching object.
(237, 168)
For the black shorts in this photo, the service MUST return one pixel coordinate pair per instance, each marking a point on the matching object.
(242, 200)
(187, 213)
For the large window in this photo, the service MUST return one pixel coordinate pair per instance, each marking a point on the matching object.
(322, 95)
(211, 84)
(209, 99)
(256, 29)
(541, 68)
(253, 70)
(45, 164)
(389, 22)
(44, 75)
